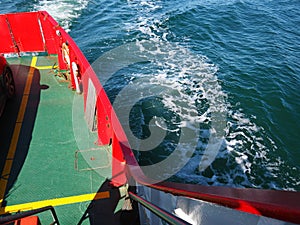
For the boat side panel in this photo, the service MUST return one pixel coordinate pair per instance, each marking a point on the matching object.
(52, 41)
(7, 44)
(26, 32)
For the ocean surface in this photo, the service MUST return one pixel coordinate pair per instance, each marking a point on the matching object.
(226, 72)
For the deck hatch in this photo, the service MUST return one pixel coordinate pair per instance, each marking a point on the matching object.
(93, 159)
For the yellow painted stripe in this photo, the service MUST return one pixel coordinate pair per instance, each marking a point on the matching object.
(17, 130)
(33, 61)
(54, 202)
(44, 67)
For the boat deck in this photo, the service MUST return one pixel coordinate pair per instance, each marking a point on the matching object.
(42, 160)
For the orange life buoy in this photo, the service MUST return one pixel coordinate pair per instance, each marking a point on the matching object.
(66, 53)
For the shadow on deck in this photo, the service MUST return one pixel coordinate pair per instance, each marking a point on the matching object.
(118, 209)
(13, 141)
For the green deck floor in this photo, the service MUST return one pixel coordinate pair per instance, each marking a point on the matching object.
(48, 164)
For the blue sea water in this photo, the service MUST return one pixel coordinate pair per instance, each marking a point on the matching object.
(249, 49)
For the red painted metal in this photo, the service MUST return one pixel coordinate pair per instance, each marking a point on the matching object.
(32, 220)
(26, 31)
(7, 44)
(48, 26)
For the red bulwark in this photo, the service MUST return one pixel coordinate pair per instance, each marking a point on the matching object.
(21, 33)
(49, 28)
(5, 37)
(27, 32)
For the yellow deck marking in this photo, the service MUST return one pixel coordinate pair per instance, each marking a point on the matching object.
(44, 67)
(13, 145)
(54, 202)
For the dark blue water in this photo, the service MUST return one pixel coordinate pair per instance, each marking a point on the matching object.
(248, 51)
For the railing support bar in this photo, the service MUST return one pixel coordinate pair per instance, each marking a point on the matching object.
(163, 214)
